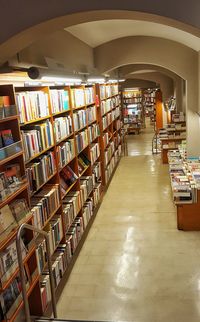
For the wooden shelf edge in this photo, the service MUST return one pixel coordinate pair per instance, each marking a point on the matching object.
(29, 254)
(13, 195)
(36, 120)
(39, 154)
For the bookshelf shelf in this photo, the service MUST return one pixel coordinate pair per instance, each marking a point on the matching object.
(11, 158)
(35, 121)
(60, 169)
(78, 108)
(83, 149)
(39, 154)
(65, 138)
(42, 185)
(69, 189)
(92, 122)
(82, 128)
(13, 195)
(84, 171)
(60, 113)
(51, 216)
(20, 306)
(12, 234)
(5, 285)
(9, 152)
(93, 103)
(60, 109)
(9, 118)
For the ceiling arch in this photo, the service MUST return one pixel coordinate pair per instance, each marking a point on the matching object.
(168, 54)
(51, 18)
(96, 33)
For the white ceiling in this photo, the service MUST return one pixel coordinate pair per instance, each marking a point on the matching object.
(142, 71)
(96, 33)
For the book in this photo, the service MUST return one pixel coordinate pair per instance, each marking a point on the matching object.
(68, 175)
(12, 172)
(19, 208)
(7, 220)
(7, 137)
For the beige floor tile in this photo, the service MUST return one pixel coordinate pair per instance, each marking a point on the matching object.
(135, 265)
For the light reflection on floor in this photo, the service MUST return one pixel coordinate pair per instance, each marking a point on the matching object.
(135, 265)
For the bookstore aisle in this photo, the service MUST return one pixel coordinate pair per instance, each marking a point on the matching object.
(135, 265)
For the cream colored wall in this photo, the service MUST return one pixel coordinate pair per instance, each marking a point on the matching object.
(64, 48)
(177, 81)
(165, 82)
(179, 94)
(130, 83)
(165, 53)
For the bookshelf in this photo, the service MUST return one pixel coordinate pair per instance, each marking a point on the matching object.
(185, 183)
(133, 114)
(172, 135)
(65, 144)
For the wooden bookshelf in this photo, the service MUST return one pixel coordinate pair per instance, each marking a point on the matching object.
(69, 106)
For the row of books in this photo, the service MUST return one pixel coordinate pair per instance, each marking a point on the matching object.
(65, 152)
(60, 261)
(108, 153)
(109, 169)
(80, 119)
(132, 100)
(97, 193)
(93, 132)
(107, 120)
(67, 178)
(83, 163)
(12, 215)
(132, 94)
(62, 127)
(91, 114)
(40, 171)
(116, 112)
(59, 100)
(109, 104)
(78, 97)
(44, 204)
(75, 233)
(11, 180)
(82, 140)
(9, 261)
(171, 133)
(178, 117)
(118, 125)
(87, 212)
(86, 187)
(73, 198)
(54, 230)
(32, 105)
(89, 95)
(107, 91)
(106, 138)
(94, 152)
(37, 139)
(70, 212)
(11, 297)
(117, 140)
(185, 177)
(96, 170)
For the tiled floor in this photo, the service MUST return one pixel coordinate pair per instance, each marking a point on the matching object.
(135, 265)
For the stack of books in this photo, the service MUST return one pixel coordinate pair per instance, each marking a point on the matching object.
(59, 100)
(62, 127)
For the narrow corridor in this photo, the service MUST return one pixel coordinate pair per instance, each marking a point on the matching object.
(135, 265)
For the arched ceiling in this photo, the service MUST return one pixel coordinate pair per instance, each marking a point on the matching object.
(96, 33)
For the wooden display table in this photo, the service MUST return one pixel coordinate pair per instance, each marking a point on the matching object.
(188, 215)
(164, 151)
(134, 128)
